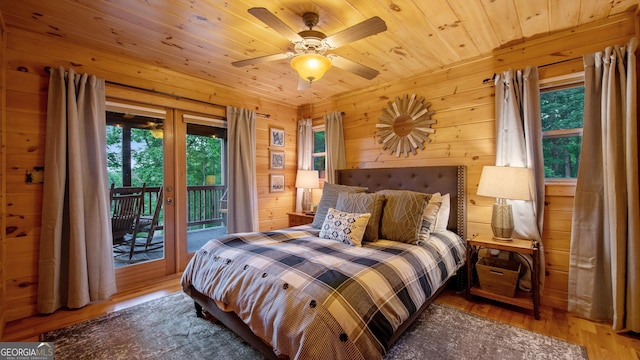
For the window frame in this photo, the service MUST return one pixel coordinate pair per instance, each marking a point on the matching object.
(314, 155)
(556, 83)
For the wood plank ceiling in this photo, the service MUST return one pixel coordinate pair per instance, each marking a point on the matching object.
(203, 37)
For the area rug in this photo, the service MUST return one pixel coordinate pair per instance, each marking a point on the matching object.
(167, 328)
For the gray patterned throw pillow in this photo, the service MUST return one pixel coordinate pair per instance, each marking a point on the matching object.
(429, 218)
(330, 198)
(364, 203)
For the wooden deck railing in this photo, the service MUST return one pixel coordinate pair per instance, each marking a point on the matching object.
(203, 204)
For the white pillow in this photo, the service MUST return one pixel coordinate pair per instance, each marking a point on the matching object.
(445, 208)
(345, 227)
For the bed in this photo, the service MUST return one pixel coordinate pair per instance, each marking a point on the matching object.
(303, 293)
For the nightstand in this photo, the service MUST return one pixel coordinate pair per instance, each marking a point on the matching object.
(299, 218)
(525, 299)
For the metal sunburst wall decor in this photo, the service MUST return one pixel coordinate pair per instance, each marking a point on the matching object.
(405, 125)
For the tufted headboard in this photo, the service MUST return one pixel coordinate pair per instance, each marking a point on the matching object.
(426, 179)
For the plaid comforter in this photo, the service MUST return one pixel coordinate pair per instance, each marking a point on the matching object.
(313, 298)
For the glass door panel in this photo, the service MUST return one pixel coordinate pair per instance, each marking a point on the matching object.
(205, 172)
(136, 149)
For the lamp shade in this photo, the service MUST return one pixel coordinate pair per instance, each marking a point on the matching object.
(311, 67)
(505, 182)
(307, 179)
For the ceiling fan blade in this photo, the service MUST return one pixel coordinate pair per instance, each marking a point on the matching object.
(356, 32)
(261, 59)
(354, 67)
(303, 84)
(275, 23)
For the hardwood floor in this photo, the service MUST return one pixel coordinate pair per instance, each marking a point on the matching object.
(601, 342)
(30, 328)
(598, 338)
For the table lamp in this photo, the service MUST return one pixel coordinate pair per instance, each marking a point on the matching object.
(307, 180)
(504, 182)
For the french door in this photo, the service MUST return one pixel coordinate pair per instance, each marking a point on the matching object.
(140, 158)
(180, 158)
(201, 177)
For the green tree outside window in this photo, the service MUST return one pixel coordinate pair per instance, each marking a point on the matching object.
(562, 113)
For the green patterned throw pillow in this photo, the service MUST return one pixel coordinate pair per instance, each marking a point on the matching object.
(402, 215)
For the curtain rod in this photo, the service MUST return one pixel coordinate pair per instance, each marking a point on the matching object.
(177, 97)
(322, 117)
(493, 77)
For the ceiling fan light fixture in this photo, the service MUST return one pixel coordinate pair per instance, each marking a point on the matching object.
(311, 67)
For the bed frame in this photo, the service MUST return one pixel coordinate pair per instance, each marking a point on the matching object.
(429, 179)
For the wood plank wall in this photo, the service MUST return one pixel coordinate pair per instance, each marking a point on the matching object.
(3, 183)
(27, 56)
(465, 134)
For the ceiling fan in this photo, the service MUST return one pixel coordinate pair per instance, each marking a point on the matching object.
(308, 58)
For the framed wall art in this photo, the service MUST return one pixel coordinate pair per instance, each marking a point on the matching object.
(276, 160)
(276, 137)
(276, 183)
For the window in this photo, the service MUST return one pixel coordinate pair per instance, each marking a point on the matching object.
(319, 152)
(206, 176)
(206, 151)
(134, 144)
(562, 109)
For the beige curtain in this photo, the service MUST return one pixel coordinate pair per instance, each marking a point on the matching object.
(519, 143)
(242, 193)
(76, 258)
(305, 148)
(604, 265)
(334, 137)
